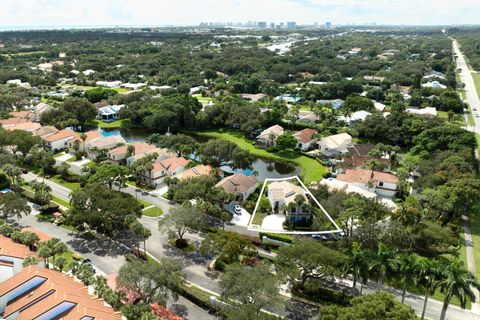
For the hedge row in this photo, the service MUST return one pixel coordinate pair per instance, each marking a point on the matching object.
(315, 292)
(276, 236)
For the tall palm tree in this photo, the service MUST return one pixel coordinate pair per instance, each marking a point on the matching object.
(407, 266)
(380, 262)
(83, 136)
(456, 281)
(428, 274)
(356, 265)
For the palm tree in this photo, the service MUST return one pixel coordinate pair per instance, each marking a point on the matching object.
(429, 270)
(407, 266)
(455, 280)
(356, 264)
(381, 261)
(83, 136)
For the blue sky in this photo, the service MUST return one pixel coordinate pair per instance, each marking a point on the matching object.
(188, 12)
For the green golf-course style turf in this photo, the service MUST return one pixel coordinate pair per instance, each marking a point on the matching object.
(312, 170)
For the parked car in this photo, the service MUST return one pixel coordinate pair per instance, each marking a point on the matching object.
(24, 170)
(86, 261)
(238, 209)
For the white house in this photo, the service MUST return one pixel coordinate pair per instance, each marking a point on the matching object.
(19, 83)
(39, 109)
(281, 194)
(170, 167)
(336, 185)
(356, 116)
(434, 84)
(133, 86)
(383, 184)
(109, 113)
(88, 72)
(335, 103)
(424, 112)
(379, 106)
(269, 136)
(240, 185)
(120, 154)
(108, 84)
(333, 145)
(59, 140)
(305, 138)
(102, 143)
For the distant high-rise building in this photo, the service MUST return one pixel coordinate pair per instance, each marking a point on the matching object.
(272, 25)
(262, 24)
(291, 25)
(328, 24)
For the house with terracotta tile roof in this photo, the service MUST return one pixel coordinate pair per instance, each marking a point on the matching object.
(24, 126)
(170, 167)
(39, 293)
(96, 145)
(200, 170)
(240, 185)
(41, 236)
(12, 255)
(382, 183)
(306, 139)
(59, 140)
(119, 154)
(12, 121)
(162, 154)
(45, 131)
(89, 137)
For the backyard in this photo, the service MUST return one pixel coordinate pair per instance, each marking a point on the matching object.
(312, 169)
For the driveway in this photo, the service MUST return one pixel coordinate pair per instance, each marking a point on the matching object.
(273, 222)
(241, 219)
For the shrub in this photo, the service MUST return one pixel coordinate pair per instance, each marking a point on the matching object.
(315, 292)
(280, 237)
(220, 265)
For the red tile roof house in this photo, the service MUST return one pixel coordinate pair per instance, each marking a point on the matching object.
(132, 297)
(240, 185)
(119, 154)
(169, 167)
(89, 136)
(383, 184)
(59, 140)
(12, 255)
(305, 138)
(39, 293)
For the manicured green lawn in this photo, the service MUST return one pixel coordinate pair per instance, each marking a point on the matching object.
(69, 185)
(457, 118)
(152, 212)
(72, 159)
(475, 229)
(477, 136)
(61, 202)
(70, 257)
(312, 170)
(108, 125)
(145, 203)
(58, 155)
(476, 79)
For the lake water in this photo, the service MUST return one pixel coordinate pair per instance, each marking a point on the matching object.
(261, 168)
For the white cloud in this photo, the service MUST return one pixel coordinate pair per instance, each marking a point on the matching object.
(162, 12)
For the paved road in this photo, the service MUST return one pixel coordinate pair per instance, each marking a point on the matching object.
(470, 89)
(104, 255)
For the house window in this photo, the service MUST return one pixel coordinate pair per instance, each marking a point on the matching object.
(380, 184)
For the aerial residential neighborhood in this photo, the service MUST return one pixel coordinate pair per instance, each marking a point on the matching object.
(317, 161)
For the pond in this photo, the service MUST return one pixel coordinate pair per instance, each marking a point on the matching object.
(261, 168)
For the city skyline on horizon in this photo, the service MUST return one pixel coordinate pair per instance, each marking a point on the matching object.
(100, 13)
